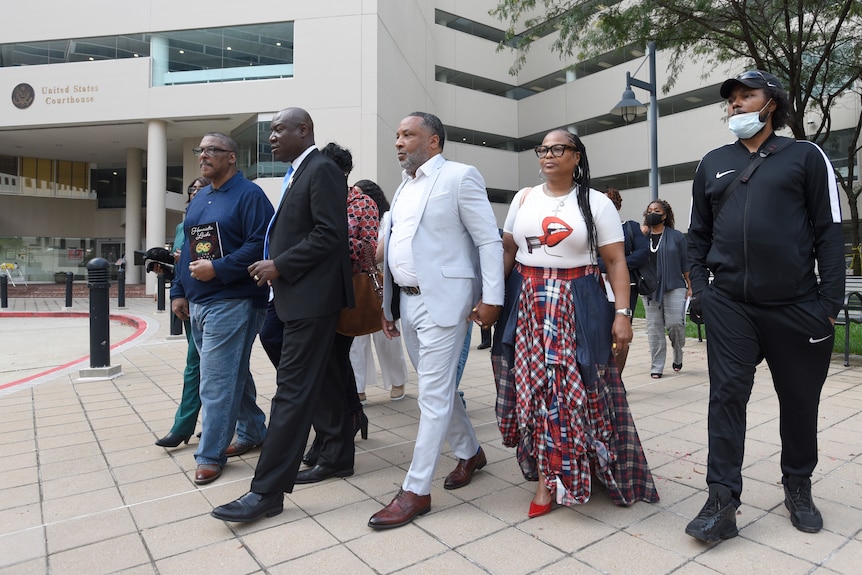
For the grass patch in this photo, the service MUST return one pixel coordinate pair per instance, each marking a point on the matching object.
(855, 332)
(855, 339)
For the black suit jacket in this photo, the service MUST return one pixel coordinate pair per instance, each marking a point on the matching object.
(308, 243)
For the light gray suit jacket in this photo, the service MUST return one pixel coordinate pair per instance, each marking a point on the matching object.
(457, 248)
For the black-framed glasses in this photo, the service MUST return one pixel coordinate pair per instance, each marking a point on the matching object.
(193, 190)
(557, 150)
(754, 74)
(208, 151)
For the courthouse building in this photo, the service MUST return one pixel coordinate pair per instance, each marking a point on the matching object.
(103, 102)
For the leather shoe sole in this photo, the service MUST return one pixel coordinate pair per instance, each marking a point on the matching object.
(207, 473)
(319, 473)
(236, 448)
(463, 473)
(250, 507)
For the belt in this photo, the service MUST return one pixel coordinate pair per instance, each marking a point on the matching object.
(411, 290)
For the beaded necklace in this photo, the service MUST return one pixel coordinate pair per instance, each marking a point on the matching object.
(652, 248)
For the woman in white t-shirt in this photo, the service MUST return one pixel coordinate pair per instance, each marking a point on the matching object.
(570, 411)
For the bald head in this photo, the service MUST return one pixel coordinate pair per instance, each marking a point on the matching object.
(298, 115)
(291, 133)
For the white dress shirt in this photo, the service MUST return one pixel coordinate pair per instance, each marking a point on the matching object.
(405, 218)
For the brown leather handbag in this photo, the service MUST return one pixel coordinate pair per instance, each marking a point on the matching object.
(365, 316)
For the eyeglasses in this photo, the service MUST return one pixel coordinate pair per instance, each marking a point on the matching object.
(556, 150)
(194, 189)
(208, 151)
(753, 74)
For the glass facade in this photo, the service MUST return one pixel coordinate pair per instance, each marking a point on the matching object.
(226, 54)
(43, 177)
(109, 185)
(48, 259)
(255, 157)
(64, 179)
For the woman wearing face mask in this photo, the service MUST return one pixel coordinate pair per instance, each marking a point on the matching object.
(665, 308)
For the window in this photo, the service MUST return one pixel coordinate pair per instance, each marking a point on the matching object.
(71, 176)
(255, 157)
(179, 57)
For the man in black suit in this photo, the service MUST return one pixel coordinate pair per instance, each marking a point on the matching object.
(307, 262)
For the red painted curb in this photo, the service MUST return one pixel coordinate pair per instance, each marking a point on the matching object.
(139, 324)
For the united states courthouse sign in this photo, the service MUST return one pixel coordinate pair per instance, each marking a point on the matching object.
(79, 92)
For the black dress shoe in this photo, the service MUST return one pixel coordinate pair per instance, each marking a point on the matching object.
(250, 507)
(172, 440)
(319, 473)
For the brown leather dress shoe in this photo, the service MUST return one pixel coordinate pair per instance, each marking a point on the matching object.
(236, 448)
(464, 471)
(207, 473)
(402, 510)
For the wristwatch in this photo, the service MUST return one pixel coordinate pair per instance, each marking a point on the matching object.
(625, 311)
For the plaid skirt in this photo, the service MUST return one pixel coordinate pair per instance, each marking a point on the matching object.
(570, 413)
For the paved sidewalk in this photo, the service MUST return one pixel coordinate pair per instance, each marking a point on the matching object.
(84, 490)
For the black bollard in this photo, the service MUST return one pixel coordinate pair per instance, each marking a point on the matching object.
(160, 293)
(121, 288)
(69, 277)
(4, 291)
(99, 282)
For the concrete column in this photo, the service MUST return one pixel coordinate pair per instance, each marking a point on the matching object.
(134, 177)
(157, 185)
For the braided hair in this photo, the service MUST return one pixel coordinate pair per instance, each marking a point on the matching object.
(581, 177)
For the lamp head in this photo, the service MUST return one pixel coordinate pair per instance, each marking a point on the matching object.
(629, 107)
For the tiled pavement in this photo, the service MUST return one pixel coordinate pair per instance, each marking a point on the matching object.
(83, 490)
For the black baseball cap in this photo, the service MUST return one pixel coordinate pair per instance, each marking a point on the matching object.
(751, 79)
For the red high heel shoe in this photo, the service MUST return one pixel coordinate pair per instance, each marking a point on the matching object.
(538, 510)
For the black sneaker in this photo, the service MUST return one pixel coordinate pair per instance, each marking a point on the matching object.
(797, 498)
(717, 519)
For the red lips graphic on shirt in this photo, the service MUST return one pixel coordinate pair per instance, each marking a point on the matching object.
(556, 230)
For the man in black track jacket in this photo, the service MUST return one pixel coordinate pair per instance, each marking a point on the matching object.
(760, 238)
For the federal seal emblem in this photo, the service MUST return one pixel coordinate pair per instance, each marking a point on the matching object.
(23, 96)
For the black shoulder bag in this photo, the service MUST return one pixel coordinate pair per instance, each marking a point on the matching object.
(644, 278)
(773, 148)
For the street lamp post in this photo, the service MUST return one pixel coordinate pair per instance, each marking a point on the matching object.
(629, 108)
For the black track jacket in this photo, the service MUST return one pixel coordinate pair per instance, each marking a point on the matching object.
(762, 246)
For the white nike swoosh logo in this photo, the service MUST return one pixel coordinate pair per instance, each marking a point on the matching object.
(722, 174)
(812, 340)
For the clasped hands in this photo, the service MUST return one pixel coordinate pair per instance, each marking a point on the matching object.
(484, 314)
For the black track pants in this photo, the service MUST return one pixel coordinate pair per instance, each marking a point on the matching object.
(796, 342)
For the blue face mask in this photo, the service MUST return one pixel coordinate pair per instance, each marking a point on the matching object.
(745, 126)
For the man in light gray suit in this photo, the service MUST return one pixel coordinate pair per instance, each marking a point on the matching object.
(443, 269)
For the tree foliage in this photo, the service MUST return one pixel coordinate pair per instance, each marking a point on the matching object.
(813, 46)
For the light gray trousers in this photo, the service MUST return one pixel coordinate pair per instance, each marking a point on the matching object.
(668, 317)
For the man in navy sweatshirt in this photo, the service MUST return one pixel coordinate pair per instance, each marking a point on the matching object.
(225, 229)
